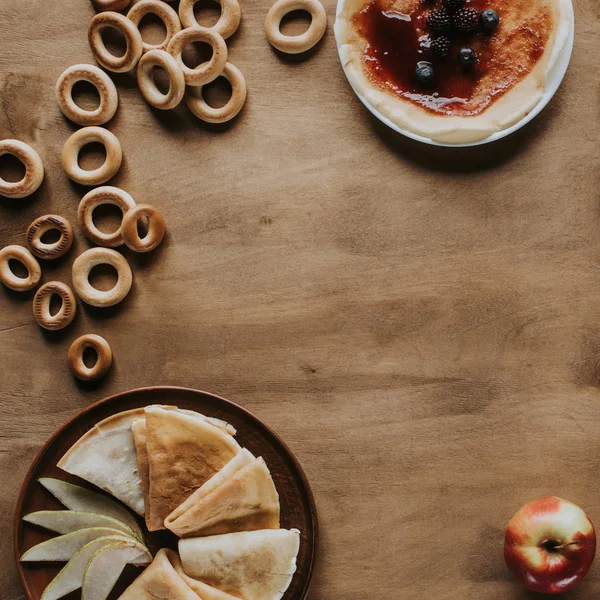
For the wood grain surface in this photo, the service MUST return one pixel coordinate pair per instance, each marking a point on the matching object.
(420, 325)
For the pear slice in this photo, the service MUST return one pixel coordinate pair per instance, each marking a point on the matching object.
(104, 569)
(67, 521)
(64, 547)
(75, 497)
(70, 578)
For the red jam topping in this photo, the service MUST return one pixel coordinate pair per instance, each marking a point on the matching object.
(396, 42)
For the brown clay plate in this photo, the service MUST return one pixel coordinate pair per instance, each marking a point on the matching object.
(297, 504)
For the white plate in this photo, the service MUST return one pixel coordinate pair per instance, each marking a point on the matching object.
(553, 81)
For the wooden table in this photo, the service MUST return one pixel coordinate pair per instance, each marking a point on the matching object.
(421, 325)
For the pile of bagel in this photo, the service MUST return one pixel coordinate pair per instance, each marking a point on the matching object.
(36, 247)
(182, 29)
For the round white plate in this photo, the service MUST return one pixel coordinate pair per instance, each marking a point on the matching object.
(553, 81)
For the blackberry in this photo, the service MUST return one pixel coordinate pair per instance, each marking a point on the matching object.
(424, 73)
(467, 56)
(453, 5)
(466, 19)
(439, 20)
(489, 19)
(441, 46)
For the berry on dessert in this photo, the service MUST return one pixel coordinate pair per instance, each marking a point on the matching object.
(439, 20)
(467, 56)
(424, 73)
(453, 5)
(441, 46)
(466, 19)
(489, 19)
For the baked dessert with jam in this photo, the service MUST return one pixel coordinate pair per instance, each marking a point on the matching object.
(454, 71)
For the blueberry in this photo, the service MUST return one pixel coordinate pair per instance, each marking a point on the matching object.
(489, 19)
(467, 56)
(424, 73)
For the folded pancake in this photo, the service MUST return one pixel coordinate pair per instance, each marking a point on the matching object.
(106, 456)
(253, 565)
(160, 581)
(240, 497)
(184, 451)
(204, 591)
(138, 428)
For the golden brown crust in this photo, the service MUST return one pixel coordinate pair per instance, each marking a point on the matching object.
(89, 135)
(22, 255)
(202, 110)
(48, 223)
(107, 91)
(156, 228)
(295, 44)
(97, 197)
(164, 12)
(183, 453)
(245, 500)
(34, 169)
(208, 71)
(228, 22)
(133, 38)
(41, 306)
(98, 256)
(145, 78)
(75, 357)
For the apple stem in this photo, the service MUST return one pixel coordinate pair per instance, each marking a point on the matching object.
(565, 545)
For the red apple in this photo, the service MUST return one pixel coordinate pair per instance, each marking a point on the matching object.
(550, 545)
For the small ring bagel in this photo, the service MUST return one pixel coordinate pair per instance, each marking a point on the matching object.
(164, 12)
(101, 256)
(89, 135)
(48, 223)
(207, 71)
(295, 44)
(34, 169)
(109, 97)
(145, 77)
(75, 357)
(85, 214)
(196, 103)
(41, 306)
(113, 5)
(133, 39)
(156, 228)
(228, 22)
(22, 255)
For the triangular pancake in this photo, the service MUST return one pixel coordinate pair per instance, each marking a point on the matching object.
(160, 580)
(106, 457)
(245, 457)
(204, 591)
(184, 451)
(253, 565)
(138, 428)
(244, 500)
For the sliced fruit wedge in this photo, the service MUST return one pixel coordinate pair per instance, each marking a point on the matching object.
(71, 576)
(75, 497)
(67, 521)
(104, 569)
(64, 547)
